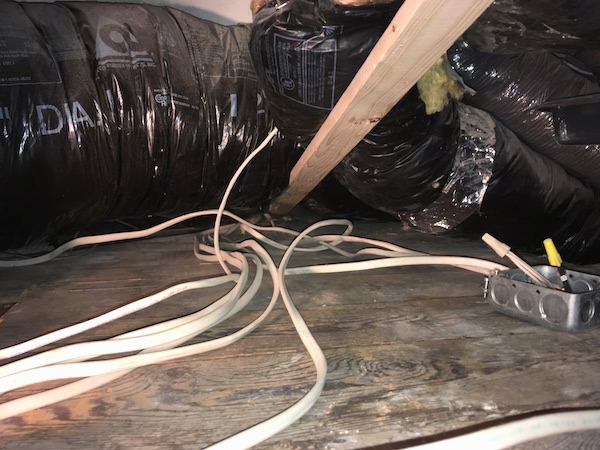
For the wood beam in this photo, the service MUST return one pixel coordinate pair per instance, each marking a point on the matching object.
(419, 34)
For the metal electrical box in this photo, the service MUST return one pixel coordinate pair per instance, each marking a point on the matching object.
(514, 293)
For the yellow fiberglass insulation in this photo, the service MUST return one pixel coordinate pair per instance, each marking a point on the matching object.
(436, 87)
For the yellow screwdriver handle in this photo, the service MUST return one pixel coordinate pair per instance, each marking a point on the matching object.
(553, 256)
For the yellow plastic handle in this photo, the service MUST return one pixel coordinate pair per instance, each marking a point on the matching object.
(553, 256)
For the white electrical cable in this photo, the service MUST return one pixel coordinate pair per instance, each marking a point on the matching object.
(253, 231)
(236, 175)
(161, 342)
(258, 433)
(323, 245)
(115, 237)
(34, 401)
(486, 268)
(122, 236)
(87, 350)
(115, 314)
(503, 250)
(513, 433)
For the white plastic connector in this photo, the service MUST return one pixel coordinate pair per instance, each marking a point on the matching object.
(499, 247)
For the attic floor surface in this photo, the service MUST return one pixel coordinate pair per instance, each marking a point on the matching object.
(411, 352)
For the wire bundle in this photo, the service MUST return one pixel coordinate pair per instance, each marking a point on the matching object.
(164, 341)
(504, 250)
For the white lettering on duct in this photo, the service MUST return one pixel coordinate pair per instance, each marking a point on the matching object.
(49, 115)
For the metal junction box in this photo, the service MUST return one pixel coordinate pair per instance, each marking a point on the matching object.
(514, 293)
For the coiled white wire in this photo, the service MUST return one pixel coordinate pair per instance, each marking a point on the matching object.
(161, 342)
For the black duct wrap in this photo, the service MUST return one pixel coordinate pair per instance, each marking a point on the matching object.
(591, 59)
(404, 162)
(530, 198)
(517, 26)
(513, 88)
(501, 186)
(460, 169)
(306, 53)
(115, 110)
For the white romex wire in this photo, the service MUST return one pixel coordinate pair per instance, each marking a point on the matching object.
(161, 342)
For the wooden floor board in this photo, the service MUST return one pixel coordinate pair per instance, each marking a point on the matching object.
(411, 352)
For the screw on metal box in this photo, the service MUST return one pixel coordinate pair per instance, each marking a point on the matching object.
(514, 293)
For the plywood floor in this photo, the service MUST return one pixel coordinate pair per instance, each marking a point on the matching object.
(411, 352)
